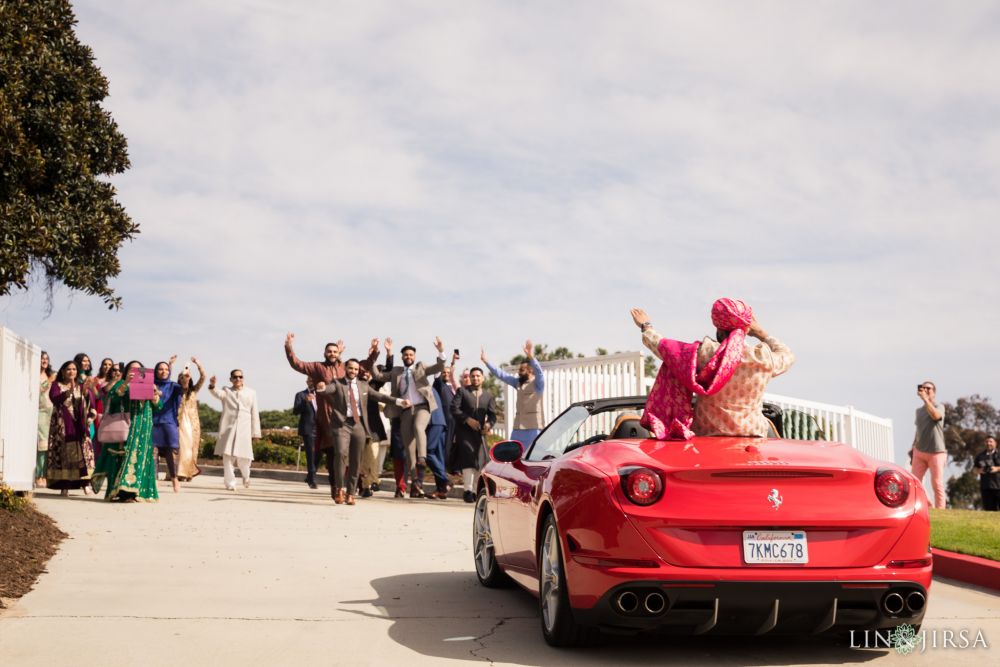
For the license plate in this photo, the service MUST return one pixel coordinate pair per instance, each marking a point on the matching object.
(775, 546)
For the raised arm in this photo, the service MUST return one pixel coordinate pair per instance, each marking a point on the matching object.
(218, 393)
(372, 353)
(437, 366)
(201, 375)
(502, 375)
(303, 367)
(650, 338)
(778, 357)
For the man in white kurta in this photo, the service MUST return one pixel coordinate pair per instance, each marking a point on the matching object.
(239, 426)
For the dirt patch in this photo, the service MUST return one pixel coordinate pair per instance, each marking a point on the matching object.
(28, 539)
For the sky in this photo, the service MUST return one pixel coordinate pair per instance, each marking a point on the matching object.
(495, 171)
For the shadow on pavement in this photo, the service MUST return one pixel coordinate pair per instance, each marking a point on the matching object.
(449, 615)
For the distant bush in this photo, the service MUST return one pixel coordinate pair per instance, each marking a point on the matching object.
(10, 501)
(265, 450)
(278, 419)
(282, 437)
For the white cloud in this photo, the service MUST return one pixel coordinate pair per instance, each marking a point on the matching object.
(489, 171)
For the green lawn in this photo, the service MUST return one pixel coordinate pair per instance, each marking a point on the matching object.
(968, 532)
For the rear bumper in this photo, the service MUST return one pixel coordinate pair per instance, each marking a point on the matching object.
(754, 607)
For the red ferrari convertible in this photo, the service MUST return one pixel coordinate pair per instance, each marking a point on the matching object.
(617, 532)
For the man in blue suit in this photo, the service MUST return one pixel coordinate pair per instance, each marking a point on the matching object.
(305, 408)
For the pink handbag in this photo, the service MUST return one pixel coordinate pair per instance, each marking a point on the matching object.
(114, 428)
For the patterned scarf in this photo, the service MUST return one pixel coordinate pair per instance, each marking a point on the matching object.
(669, 412)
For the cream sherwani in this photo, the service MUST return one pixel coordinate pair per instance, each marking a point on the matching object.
(736, 408)
(239, 424)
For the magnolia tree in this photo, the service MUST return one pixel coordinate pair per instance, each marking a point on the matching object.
(59, 218)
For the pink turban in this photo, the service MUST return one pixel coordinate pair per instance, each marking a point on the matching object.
(731, 314)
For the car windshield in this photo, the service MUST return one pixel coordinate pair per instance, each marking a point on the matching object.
(579, 426)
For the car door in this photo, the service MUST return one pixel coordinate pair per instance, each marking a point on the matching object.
(523, 485)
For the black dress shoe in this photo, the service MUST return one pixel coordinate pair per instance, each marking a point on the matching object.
(312, 485)
(399, 494)
(469, 497)
(366, 493)
(375, 487)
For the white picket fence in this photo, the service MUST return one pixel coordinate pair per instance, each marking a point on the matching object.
(568, 381)
(843, 423)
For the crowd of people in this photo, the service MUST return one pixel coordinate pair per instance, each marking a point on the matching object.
(108, 428)
(439, 421)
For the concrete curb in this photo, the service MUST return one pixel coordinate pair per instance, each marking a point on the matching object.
(970, 569)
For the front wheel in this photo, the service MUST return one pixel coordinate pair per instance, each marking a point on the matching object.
(558, 625)
(487, 570)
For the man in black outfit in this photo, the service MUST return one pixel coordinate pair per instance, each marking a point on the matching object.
(305, 408)
(988, 466)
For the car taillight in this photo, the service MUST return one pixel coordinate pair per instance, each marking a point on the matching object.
(642, 486)
(891, 487)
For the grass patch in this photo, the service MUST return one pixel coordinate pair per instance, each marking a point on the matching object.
(969, 532)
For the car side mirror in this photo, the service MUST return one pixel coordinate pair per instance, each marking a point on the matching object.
(507, 451)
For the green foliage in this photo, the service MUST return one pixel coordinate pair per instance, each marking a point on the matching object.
(274, 447)
(285, 438)
(207, 450)
(209, 417)
(57, 215)
(278, 419)
(651, 366)
(967, 424)
(268, 452)
(966, 532)
(10, 501)
(542, 353)
(963, 491)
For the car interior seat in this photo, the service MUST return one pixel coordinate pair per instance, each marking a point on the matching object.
(627, 426)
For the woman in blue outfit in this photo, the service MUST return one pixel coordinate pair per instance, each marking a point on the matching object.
(166, 437)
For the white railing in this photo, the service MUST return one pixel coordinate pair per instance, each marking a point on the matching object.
(568, 381)
(843, 423)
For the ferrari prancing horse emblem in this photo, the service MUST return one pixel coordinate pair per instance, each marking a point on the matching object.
(775, 499)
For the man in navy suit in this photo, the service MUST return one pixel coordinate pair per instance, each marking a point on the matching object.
(305, 408)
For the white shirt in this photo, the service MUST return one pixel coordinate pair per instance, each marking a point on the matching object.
(352, 390)
(407, 381)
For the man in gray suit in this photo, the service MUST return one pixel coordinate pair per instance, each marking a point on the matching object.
(349, 423)
(412, 382)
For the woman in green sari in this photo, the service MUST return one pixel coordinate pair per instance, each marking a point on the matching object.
(135, 478)
(109, 462)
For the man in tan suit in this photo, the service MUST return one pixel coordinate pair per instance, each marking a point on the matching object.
(413, 382)
(350, 427)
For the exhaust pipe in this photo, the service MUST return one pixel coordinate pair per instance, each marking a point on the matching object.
(892, 603)
(628, 602)
(915, 601)
(654, 603)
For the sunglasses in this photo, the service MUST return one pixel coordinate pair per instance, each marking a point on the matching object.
(235, 377)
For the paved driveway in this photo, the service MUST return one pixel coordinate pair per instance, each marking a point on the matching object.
(278, 575)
